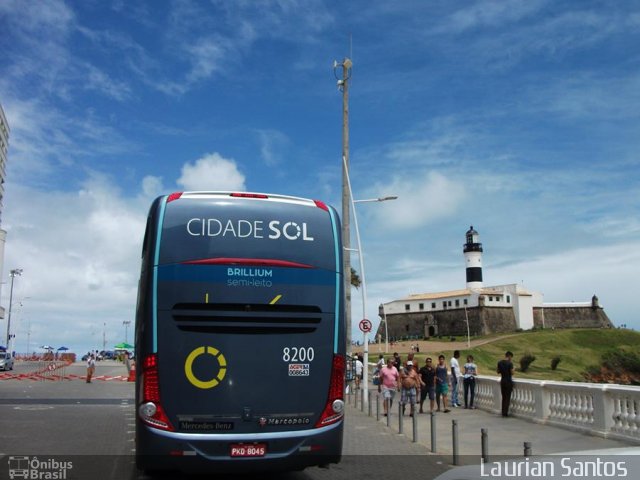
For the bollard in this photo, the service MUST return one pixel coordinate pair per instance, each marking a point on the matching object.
(400, 419)
(415, 425)
(484, 438)
(454, 438)
(378, 407)
(527, 449)
(355, 398)
(369, 401)
(388, 412)
(433, 432)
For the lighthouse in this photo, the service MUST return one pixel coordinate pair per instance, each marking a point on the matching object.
(473, 259)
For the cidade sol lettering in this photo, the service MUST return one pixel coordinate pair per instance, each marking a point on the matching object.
(275, 229)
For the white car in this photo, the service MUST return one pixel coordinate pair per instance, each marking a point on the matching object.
(6, 361)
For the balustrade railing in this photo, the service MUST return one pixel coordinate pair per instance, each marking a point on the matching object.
(606, 410)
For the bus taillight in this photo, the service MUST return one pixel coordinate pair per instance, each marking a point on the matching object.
(150, 410)
(174, 196)
(334, 408)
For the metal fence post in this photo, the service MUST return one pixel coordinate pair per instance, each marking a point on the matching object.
(484, 439)
(388, 412)
(378, 407)
(415, 425)
(369, 401)
(400, 419)
(433, 432)
(454, 438)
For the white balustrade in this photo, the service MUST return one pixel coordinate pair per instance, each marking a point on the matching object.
(606, 410)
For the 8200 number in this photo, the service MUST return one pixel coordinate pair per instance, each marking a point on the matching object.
(298, 354)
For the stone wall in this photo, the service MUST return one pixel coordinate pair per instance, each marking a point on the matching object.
(482, 321)
(571, 317)
(487, 320)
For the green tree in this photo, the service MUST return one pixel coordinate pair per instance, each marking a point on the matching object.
(355, 278)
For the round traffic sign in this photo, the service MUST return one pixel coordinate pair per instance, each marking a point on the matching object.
(365, 325)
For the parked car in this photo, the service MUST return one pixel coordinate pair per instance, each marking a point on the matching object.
(108, 355)
(6, 361)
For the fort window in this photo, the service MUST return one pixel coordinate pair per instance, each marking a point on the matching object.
(457, 303)
(433, 305)
(508, 299)
(466, 302)
(407, 307)
(421, 306)
(491, 299)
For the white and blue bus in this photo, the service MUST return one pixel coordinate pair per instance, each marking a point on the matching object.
(240, 335)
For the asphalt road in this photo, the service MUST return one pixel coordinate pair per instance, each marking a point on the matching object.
(92, 427)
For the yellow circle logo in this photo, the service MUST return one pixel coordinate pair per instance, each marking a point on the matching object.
(188, 367)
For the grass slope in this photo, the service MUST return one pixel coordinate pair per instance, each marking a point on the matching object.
(578, 349)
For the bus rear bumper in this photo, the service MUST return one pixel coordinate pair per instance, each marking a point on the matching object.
(158, 450)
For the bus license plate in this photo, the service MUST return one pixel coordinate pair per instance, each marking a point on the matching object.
(253, 450)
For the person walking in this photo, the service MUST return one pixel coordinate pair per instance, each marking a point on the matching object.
(442, 384)
(455, 373)
(91, 367)
(359, 367)
(469, 382)
(397, 361)
(410, 382)
(428, 375)
(505, 369)
(390, 380)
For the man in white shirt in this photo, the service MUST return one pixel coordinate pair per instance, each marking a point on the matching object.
(455, 373)
(359, 367)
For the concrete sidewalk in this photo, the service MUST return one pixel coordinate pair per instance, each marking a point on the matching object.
(506, 436)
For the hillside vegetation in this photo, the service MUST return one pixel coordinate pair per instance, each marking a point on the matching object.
(581, 351)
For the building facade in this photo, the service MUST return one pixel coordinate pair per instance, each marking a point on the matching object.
(480, 310)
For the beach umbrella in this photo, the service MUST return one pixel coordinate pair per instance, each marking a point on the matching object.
(46, 347)
(63, 349)
(123, 346)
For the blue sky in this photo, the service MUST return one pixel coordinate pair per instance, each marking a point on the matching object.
(518, 117)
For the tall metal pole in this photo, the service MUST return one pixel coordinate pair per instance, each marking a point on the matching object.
(346, 197)
(126, 324)
(12, 273)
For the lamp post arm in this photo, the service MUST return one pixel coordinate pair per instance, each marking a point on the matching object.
(365, 371)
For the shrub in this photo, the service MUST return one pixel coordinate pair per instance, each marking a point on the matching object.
(526, 361)
(452, 339)
(554, 362)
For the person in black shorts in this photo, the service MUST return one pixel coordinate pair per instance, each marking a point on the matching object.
(428, 374)
(505, 369)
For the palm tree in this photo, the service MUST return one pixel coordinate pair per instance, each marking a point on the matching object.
(355, 278)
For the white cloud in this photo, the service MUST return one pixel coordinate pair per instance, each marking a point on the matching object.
(273, 144)
(80, 255)
(421, 200)
(152, 186)
(212, 172)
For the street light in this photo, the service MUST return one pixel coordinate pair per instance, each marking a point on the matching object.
(369, 200)
(12, 273)
(126, 324)
(363, 289)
